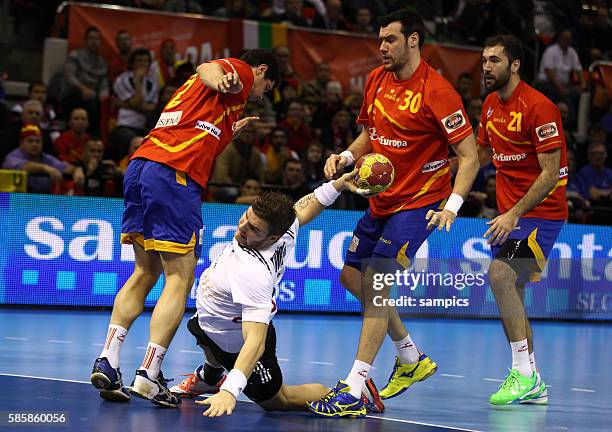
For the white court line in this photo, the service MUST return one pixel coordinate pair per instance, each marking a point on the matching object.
(141, 348)
(583, 390)
(15, 338)
(369, 416)
(191, 352)
(97, 344)
(493, 379)
(59, 341)
(282, 359)
(321, 363)
(452, 376)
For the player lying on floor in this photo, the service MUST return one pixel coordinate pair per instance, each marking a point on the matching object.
(235, 306)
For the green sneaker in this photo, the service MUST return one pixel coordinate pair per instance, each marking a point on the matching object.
(539, 394)
(406, 374)
(514, 388)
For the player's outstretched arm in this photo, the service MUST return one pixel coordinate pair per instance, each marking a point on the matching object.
(310, 206)
(468, 169)
(224, 402)
(335, 163)
(214, 77)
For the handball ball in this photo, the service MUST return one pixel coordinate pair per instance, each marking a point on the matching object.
(375, 173)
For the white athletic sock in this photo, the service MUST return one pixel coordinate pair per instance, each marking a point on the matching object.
(357, 377)
(153, 359)
(112, 347)
(407, 350)
(533, 362)
(520, 357)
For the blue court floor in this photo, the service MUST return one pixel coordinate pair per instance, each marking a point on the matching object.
(46, 358)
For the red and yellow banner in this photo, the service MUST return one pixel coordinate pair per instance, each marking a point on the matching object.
(199, 38)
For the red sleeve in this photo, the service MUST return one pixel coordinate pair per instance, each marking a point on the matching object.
(450, 115)
(483, 137)
(61, 147)
(244, 71)
(546, 128)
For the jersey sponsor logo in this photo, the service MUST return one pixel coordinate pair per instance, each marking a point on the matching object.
(453, 121)
(354, 244)
(547, 130)
(433, 166)
(389, 142)
(169, 119)
(208, 127)
(509, 158)
(563, 172)
(489, 112)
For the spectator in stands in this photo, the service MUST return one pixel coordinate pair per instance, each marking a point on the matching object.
(71, 143)
(32, 114)
(595, 177)
(134, 144)
(37, 90)
(570, 139)
(183, 6)
(474, 111)
(299, 132)
(293, 14)
(314, 91)
(164, 68)
(289, 88)
(558, 63)
(102, 177)
(577, 203)
(363, 21)
(293, 179)
(250, 189)
(45, 172)
(313, 166)
(85, 78)
(323, 115)
(464, 87)
(333, 18)
(237, 9)
(239, 160)
(276, 154)
(120, 63)
(354, 101)
(136, 92)
(340, 134)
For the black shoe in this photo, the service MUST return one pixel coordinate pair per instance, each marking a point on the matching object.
(107, 379)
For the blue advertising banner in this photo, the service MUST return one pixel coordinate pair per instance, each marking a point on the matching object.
(60, 250)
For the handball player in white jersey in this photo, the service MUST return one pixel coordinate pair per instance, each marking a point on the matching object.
(236, 304)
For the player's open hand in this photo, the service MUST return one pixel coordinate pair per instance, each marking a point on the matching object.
(237, 126)
(230, 83)
(441, 219)
(500, 228)
(222, 403)
(347, 182)
(333, 165)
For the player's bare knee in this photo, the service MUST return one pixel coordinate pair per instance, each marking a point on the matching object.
(499, 274)
(350, 278)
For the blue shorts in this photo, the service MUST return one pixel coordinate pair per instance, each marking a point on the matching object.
(536, 238)
(394, 238)
(163, 208)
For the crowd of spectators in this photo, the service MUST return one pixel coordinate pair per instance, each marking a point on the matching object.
(80, 142)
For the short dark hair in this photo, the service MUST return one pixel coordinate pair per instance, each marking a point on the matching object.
(411, 23)
(91, 29)
(256, 57)
(513, 48)
(35, 84)
(138, 52)
(465, 75)
(277, 210)
(291, 160)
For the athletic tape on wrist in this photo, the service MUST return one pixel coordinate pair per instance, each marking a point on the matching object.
(235, 382)
(454, 203)
(350, 159)
(327, 194)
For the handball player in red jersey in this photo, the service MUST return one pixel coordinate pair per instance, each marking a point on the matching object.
(521, 131)
(162, 218)
(410, 114)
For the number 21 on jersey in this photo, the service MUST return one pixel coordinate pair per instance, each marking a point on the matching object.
(515, 123)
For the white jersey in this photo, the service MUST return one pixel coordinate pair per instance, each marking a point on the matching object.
(241, 284)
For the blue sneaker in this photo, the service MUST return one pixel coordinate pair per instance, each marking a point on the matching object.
(338, 403)
(107, 379)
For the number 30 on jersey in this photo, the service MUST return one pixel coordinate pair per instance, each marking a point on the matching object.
(412, 101)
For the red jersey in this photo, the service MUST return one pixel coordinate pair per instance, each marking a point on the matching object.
(196, 124)
(412, 122)
(517, 130)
